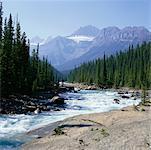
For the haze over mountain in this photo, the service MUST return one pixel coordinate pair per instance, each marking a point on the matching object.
(87, 31)
(89, 43)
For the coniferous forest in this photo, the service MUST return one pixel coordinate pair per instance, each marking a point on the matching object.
(130, 69)
(19, 72)
(101, 102)
(25, 74)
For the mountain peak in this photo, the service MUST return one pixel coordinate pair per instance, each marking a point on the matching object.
(88, 30)
(89, 43)
(36, 40)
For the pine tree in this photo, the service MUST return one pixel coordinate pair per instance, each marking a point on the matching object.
(20, 73)
(1, 30)
(104, 71)
(6, 57)
(98, 72)
(131, 68)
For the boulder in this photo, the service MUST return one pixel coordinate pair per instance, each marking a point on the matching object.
(57, 100)
(37, 111)
(120, 92)
(66, 89)
(125, 96)
(2, 111)
(91, 88)
(138, 94)
(135, 98)
(76, 89)
(31, 108)
(117, 101)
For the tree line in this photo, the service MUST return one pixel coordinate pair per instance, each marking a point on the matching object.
(131, 68)
(20, 72)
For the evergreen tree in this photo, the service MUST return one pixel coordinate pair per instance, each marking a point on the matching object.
(131, 68)
(6, 57)
(20, 73)
(104, 71)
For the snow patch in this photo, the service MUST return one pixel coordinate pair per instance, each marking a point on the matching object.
(81, 38)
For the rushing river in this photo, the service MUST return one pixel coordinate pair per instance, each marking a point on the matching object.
(12, 128)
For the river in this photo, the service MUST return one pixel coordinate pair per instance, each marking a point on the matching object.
(14, 127)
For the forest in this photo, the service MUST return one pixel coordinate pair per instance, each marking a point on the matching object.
(131, 68)
(19, 72)
(25, 74)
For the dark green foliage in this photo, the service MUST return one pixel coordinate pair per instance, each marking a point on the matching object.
(104, 71)
(58, 131)
(6, 57)
(20, 73)
(131, 68)
(104, 132)
(42, 72)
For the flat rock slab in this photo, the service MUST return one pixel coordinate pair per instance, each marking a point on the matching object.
(116, 130)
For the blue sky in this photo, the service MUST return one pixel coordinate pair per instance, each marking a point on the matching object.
(61, 17)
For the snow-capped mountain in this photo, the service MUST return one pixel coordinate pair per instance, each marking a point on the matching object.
(84, 34)
(88, 43)
(81, 38)
(89, 31)
(61, 49)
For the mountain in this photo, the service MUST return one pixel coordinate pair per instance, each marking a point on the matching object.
(88, 43)
(89, 31)
(84, 34)
(61, 49)
(36, 40)
(109, 41)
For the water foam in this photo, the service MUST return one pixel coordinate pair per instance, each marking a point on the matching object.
(83, 102)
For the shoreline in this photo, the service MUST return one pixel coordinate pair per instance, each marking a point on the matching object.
(84, 130)
(24, 104)
(44, 131)
(33, 104)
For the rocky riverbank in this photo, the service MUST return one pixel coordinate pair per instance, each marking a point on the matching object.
(124, 91)
(27, 105)
(128, 128)
(51, 101)
(24, 104)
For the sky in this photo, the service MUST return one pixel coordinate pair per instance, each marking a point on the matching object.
(45, 18)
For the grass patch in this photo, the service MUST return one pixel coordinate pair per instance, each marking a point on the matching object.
(92, 129)
(58, 131)
(146, 102)
(104, 132)
(142, 109)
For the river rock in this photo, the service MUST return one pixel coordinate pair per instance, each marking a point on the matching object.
(135, 98)
(117, 101)
(125, 96)
(91, 88)
(2, 111)
(66, 89)
(120, 92)
(37, 111)
(31, 108)
(76, 89)
(138, 94)
(57, 100)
